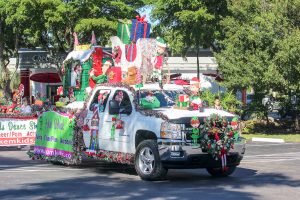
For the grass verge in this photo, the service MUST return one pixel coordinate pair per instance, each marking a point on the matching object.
(285, 137)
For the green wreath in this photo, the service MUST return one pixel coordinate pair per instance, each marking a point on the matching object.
(216, 136)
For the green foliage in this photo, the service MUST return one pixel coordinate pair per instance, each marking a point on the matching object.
(208, 97)
(261, 48)
(228, 100)
(230, 103)
(188, 23)
(248, 126)
(50, 23)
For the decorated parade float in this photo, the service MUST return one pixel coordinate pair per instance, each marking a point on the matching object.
(119, 106)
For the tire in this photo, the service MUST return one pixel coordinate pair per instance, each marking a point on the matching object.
(147, 161)
(218, 172)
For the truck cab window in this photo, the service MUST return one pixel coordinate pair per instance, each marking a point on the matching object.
(124, 101)
(100, 100)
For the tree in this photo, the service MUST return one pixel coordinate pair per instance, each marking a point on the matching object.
(288, 65)
(252, 31)
(84, 17)
(261, 48)
(50, 24)
(189, 24)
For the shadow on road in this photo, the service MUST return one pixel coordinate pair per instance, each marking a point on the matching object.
(102, 180)
(109, 182)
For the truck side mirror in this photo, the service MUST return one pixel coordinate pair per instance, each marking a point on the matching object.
(114, 107)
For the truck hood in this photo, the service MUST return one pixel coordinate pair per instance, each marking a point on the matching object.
(173, 113)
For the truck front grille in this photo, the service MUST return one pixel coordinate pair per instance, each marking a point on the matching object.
(187, 133)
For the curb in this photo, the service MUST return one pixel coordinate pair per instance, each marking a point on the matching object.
(255, 139)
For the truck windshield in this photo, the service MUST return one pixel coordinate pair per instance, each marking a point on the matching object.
(166, 97)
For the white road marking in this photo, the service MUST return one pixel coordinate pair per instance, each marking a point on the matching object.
(268, 161)
(279, 157)
(275, 140)
(268, 144)
(270, 155)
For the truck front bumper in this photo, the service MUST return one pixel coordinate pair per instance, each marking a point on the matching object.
(178, 156)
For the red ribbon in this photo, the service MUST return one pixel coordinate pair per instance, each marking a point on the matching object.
(141, 19)
(224, 160)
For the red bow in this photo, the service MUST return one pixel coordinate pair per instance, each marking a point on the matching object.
(141, 19)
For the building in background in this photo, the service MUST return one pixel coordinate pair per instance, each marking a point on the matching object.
(39, 74)
(187, 67)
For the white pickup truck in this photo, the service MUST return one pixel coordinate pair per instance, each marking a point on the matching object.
(134, 134)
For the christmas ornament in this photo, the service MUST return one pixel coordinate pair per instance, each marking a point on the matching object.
(140, 28)
(217, 138)
(114, 75)
(157, 61)
(235, 128)
(131, 76)
(150, 101)
(131, 52)
(113, 127)
(195, 122)
(124, 30)
(183, 101)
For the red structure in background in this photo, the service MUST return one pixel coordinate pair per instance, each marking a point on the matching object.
(24, 75)
(45, 77)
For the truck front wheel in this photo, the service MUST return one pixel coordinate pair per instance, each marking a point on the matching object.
(218, 172)
(147, 161)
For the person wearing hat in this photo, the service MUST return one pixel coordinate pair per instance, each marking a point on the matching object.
(103, 77)
(157, 61)
(195, 100)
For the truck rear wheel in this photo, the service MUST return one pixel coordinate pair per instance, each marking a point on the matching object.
(147, 161)
(218, 172)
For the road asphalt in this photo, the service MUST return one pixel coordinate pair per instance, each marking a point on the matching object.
(268, 171)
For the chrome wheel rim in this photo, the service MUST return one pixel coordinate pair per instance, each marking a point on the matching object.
(146, 160)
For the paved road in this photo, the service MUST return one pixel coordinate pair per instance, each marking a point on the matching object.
(268, 171)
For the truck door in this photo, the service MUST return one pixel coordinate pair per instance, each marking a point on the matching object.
(94, 120)
(118, 128)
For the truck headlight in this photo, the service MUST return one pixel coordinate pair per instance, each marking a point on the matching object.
(170, 130)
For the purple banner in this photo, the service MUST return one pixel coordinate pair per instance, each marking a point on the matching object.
(52, 152)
